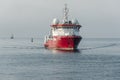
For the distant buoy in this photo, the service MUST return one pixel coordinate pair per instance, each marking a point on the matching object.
(31, 39)
(12, 36)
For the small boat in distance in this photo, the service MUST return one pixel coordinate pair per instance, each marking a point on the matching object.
(12, 36)
(63, 35)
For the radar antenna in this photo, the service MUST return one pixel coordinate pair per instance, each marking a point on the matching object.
(66, 10)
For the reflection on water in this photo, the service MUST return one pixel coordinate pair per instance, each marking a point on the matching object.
(66, 51)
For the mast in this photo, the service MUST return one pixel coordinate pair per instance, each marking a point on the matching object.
(65, 17)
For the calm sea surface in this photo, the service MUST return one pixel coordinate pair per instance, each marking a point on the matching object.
(96, 59)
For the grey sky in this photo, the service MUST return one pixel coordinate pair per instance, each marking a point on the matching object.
(31, 18)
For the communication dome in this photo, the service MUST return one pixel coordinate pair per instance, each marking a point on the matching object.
(75, 21)
(55, 21)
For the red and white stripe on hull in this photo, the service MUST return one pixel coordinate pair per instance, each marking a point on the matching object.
(63, 42)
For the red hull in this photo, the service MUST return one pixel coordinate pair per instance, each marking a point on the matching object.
(63, 42)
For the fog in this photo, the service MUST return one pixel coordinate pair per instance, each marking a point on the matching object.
(32, 18)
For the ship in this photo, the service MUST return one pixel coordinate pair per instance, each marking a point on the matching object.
(65, 34)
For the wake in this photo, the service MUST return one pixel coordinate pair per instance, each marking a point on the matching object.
(103, 46)
(42, 47)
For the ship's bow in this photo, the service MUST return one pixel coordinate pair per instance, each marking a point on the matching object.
(68, 42)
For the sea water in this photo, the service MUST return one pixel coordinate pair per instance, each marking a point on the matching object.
(95, 59)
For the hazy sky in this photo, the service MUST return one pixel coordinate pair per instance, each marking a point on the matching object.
(31, 18)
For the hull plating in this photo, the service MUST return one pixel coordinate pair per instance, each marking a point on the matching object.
(63, 42)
